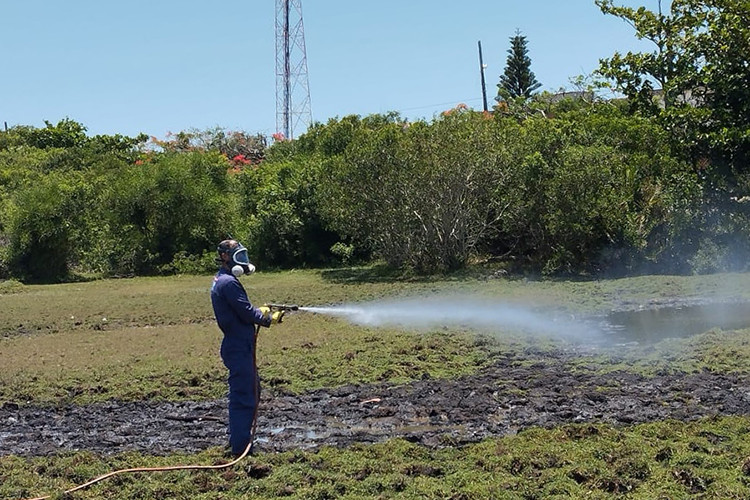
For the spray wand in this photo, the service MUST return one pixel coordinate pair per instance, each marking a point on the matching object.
(283, 307)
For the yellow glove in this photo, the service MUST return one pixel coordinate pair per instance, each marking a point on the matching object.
(275, 316)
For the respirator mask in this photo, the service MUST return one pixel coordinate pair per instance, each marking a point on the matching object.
(239, 261)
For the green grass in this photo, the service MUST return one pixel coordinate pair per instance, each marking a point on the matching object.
(182, 361)
(36, 309)
(155, 338)
(159, 341)
(709, 459)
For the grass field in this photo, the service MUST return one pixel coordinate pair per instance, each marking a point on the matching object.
(155, 339)
(669, 460)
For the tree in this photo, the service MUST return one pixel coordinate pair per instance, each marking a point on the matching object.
(518, 80)
(422, 196)
(155, 211)
(701, 66)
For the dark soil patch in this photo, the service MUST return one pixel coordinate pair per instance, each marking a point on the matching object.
(512, 394)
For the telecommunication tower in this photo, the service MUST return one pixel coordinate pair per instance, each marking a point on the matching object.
(293, 110)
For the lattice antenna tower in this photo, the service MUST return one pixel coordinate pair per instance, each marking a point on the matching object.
(293, 110)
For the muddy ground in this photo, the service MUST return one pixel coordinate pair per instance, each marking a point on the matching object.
(516, 392)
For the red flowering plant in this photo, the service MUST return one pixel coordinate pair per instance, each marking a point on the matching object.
(240, 148)
(240, 159)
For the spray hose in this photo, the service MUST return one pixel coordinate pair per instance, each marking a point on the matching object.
(183, 467)
(153, 469)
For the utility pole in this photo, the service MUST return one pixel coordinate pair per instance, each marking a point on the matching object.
(292, 88)
(482, 66)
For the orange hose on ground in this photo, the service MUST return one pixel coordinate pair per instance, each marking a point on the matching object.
(152, 469)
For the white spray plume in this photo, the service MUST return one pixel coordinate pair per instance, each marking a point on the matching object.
(472, 313)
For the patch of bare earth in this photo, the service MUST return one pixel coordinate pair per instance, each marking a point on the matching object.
(514, 393)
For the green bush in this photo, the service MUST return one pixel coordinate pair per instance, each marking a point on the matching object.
(553, 188)
(422, 196)
(184, 263)
(280, 209)
(155, 210)
(43, 221)
(66, 134)
(344, 252)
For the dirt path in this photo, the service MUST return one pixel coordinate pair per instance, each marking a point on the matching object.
(502, 399)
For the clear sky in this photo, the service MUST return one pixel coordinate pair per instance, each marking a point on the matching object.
(159, 66)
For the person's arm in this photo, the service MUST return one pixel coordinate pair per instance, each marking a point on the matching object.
(241, 305)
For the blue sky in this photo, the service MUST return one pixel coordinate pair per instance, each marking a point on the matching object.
(163, 66)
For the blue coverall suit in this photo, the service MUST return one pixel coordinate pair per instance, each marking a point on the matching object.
(237, 318)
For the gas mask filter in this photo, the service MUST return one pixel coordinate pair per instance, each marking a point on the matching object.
(239, 270)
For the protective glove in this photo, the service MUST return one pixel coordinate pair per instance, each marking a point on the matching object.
(271, 317)
(277, 316)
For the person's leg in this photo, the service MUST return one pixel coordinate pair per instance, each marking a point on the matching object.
(242, 395)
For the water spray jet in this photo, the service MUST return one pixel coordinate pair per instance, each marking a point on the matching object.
(473, 313)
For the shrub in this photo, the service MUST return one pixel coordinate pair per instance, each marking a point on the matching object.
(43, 221)
(154, 211)
(279, 206)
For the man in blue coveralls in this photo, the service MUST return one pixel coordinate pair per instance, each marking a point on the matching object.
(237, 318)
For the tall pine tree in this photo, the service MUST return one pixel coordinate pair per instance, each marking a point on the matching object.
(518, 79)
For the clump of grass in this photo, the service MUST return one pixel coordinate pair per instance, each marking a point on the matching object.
(705, 459)
(10, 286)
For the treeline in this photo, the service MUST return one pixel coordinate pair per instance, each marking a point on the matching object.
(569, 187)
(655, 182)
